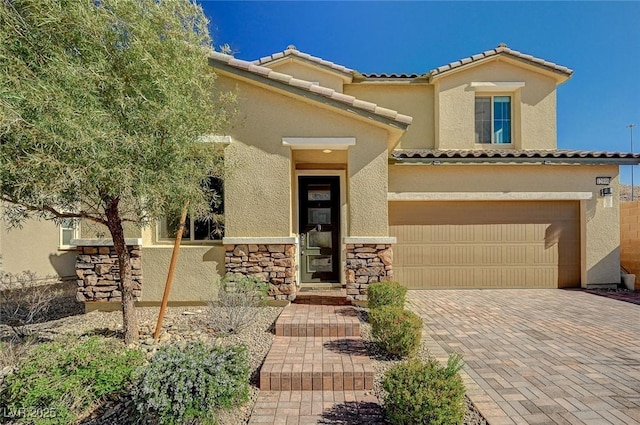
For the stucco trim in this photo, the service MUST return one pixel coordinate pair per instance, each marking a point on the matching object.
(333, 143)
(496, 86)
(269, 240)
(489, 196)
(104, 242)
(370, 240)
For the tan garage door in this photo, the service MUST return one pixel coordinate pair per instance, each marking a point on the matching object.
(486, 244)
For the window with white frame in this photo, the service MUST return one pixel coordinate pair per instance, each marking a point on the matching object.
(69, 229)
(208, 229)
(493, 119)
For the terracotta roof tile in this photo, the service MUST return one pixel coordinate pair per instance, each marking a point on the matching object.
(501, 49)
(325, 92)
(392, 75)
(292, 51)
(515, 154)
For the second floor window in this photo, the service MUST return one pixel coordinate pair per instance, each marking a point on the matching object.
(493, 119)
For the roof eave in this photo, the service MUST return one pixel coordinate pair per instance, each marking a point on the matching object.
(507, 160)
(560, 76)
(225, 68)
(345, 76)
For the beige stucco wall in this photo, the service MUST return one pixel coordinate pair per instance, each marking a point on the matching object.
(600, 226)
(368, 208)
(415, 100)
(196, 276)
(308, 72)
(534, 107)
(34, 247)
(90, 229)
(259, 189)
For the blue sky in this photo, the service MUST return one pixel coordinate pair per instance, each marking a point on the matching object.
(600, 41)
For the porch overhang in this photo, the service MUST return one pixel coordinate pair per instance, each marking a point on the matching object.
(319, 143)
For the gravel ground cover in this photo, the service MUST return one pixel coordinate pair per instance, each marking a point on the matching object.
(620, 294)
(383, 361)
(180, 325)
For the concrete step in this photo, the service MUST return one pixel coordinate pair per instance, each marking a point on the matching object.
(320, 287)
(307, 320)
(317, 364)
(319, 296)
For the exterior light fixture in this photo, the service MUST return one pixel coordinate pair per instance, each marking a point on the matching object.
(607, 194)
(327, 151)
(436, 162)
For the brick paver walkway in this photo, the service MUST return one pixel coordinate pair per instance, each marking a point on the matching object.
(540, 356)
(318, 370)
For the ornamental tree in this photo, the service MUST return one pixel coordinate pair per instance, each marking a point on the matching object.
(105, 110)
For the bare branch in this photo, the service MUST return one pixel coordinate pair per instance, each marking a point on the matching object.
(53, 211)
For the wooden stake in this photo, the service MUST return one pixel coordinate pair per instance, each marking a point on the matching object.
(172, 266)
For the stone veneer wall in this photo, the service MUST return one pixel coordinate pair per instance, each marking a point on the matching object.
(367, 263)
(272, 263)
(98, 273)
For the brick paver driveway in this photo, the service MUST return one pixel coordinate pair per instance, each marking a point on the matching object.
(540, 356)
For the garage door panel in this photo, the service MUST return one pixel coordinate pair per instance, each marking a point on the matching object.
(486, 244)
(505, 254)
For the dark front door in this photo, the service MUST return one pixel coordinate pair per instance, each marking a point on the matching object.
(319, 202)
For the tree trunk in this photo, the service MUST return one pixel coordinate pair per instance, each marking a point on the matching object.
(129, 320)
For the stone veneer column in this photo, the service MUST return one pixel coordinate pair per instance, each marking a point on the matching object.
(98, 271)
(367, 263)
(272, 263)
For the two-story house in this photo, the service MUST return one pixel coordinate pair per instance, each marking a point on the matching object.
(447, 179)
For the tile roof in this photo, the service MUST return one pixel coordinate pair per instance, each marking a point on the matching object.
(310, 87)
(502, 49)
(291, 50)
(392, 75)
(496, 155)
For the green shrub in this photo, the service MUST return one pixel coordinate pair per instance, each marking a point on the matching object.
(59, 381)
(238, 299)
(386, 294)
(396, 329)
(425, 393)
(180, 385)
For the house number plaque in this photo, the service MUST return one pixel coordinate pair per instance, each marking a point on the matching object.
(603, 181)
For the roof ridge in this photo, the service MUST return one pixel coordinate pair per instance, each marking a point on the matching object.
(291, 50)
(309, 86)
(502, 48)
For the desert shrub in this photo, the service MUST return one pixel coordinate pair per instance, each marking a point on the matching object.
(420, 392)
(397, 330)
(25, 299)
(236, 306)
(65, 378)
(14, 349)
(386, 293)
(190, 383)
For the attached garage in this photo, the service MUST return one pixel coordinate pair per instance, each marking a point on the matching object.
(492, 244)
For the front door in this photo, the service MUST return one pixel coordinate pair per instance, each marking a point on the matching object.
(319, 203)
